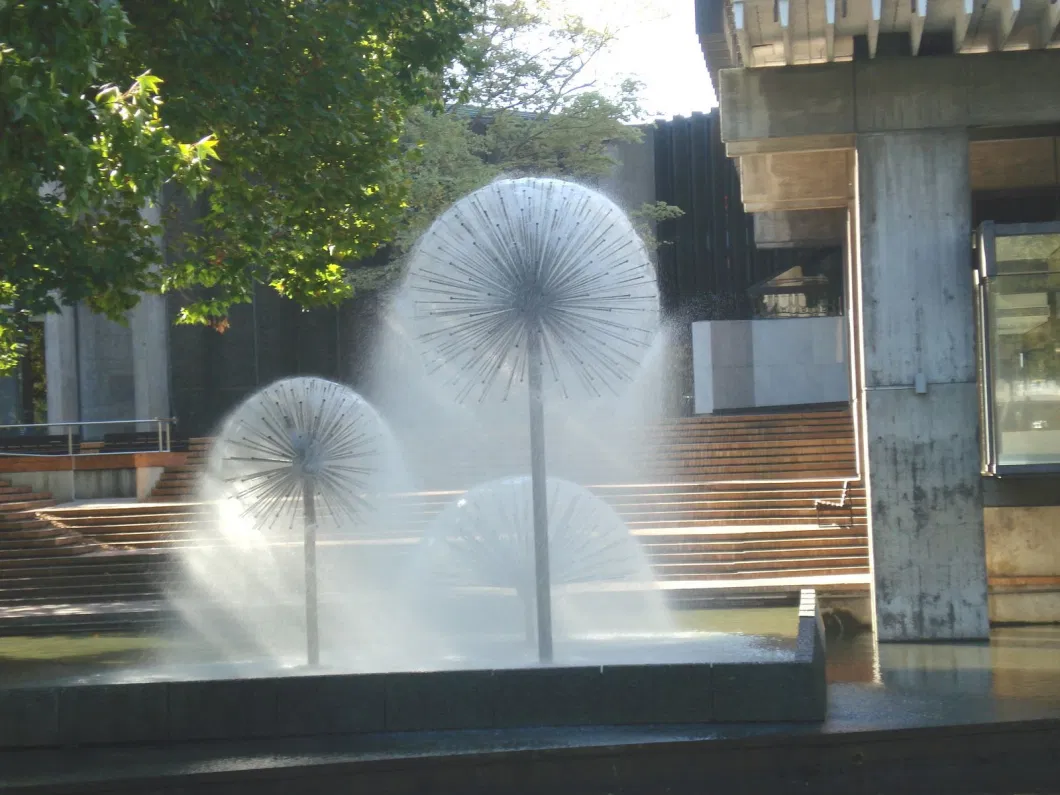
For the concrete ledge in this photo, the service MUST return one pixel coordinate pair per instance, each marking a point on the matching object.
(148, 713)
(808, 103)
(875, 740)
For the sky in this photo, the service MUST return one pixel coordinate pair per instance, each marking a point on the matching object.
(657, 44)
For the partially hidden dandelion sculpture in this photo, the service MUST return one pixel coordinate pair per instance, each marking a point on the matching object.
(301, 449)
(486, 539)
(535, 281)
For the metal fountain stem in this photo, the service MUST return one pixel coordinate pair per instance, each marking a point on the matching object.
(538, 478)
(312, 618)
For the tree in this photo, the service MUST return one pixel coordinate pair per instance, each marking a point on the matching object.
(519, 102)
(78, 154)
(284, 116)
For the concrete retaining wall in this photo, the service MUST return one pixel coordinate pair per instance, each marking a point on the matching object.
(317, 705)
(1023, 544)
(95, 484)
(778, 362)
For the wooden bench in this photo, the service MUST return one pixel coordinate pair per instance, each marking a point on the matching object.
(140, 441)
(39, 445)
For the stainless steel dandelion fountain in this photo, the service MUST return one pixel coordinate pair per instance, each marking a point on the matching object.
(486, 540)
(535, 281)
(302, 448)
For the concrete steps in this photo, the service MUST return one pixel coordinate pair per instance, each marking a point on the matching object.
(179, 482)
(90, 578)
(25, 535)
(762, 446)
(728, 500)
(130, 525)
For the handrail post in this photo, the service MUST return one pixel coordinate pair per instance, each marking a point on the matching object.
(73, 461)
(169, 435)
(160, 435)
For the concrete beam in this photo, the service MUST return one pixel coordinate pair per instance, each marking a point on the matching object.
(1048, 24)
(1006, 21)
(786, 103)
(876, 9)
(784, 18)
(1014, 88)
(961, 21)
(805, 143)
(800, 228)
(817, 177)
(900, 94)
(1014, 163)
(829, 29)
(743, 40)
(796, 180)
(892, 94)
(918, 13)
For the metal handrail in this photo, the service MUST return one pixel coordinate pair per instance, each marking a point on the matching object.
(164, 424)
(165, 440)
(75, 423)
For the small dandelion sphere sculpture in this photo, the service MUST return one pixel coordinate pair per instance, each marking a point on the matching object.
(298, 434)
(301, 448)
(533, 268)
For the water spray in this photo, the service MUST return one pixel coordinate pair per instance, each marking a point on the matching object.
(535, 281)
(301, 448)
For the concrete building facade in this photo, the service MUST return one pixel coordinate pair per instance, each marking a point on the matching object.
(848, 144)
(916, 124)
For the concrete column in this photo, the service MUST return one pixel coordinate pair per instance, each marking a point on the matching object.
(852, 292)
(61, 367)
(926, 509)
(106, 373)
(150, 353)
(10, 400)
(149, 323)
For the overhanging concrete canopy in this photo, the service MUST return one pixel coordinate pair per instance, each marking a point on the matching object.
(886, 95)
(794, 129)
(752, 33)
(822, 179)
(797, 180)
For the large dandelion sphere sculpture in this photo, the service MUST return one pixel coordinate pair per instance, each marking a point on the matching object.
(300, 452)
(527, 271)
(535, 281)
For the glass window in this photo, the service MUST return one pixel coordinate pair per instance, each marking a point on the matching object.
(812, 289)
(1018, 286)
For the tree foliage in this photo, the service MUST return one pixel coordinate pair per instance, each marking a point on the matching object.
(286, 116)
(519, 102)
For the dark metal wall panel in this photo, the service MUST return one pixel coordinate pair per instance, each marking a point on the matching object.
(702, 201)
(708, 259)
(667, 253)
(265, 341)
(1033, 205)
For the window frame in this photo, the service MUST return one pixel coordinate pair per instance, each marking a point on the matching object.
(985, 270)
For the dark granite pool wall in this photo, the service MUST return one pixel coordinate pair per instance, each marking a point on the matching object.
(307, 706)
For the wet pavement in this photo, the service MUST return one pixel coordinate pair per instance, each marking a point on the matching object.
(958, 687)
